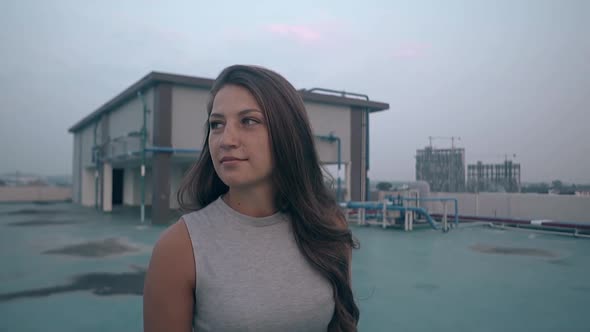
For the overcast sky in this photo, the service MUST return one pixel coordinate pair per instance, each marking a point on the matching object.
(506, 76)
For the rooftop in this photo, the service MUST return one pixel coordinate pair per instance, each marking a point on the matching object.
(153, 78)
(69, 268)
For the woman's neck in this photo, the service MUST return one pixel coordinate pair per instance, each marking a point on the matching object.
(254, 202)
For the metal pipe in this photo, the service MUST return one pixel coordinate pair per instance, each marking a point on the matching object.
(367, 184)
(170, 150)
(154, 149)
(339, 190)
(442, 199)
(342, 93)
(96, 165)
(143, 135)
(574, 234)
(331, 138)
(539, 223)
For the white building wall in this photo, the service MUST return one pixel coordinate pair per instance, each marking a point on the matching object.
(189, 117)
(176, 172)
(87, 142)
(124, 119)
(133, 194)
(326, 119)
(129, 116)
(87, 187)
(77, 170)
(34, 193)
(129, 185)
(520, 206)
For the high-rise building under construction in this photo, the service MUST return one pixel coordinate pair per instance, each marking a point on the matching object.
(504, 177)
(443, 169)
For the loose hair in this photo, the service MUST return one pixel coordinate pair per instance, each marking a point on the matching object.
(319, 226)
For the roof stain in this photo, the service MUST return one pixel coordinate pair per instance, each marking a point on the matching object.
(102, 248)
(41, 222)
(515, 251)
(32, 211)
(101, 284)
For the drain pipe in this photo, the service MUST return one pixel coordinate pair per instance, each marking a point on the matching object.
(331, 138)
(143, 135)
(343, 94)
(367, 181)
(96, 165)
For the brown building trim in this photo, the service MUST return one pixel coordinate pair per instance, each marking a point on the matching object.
(154, 78)
(356, 156)
(162, 136)
(162, 124)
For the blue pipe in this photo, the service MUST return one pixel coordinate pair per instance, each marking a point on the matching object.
(418, 210)
(442, 199)
(403, 209)
(331, 138)
(170, 150)
(155, 149)
(364, 205)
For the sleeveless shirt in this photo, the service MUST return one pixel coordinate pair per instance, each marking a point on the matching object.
(251, 276)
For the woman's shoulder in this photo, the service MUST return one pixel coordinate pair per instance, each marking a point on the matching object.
(173, 242)
(202, 215)
(202, 223)
(174, 238)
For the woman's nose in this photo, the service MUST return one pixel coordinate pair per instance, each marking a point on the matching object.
(229, 137)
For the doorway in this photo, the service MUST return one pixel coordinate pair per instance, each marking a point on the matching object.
(118, 186)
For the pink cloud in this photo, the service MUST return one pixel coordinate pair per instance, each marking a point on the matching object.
(301, 33)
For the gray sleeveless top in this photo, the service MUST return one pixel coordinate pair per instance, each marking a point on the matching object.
(251, 275)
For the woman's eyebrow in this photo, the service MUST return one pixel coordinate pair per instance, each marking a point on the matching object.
(240, 113)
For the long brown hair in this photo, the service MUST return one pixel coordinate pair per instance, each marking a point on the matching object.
(319, 226)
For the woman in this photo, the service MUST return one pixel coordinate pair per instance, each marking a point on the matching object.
(266, 247)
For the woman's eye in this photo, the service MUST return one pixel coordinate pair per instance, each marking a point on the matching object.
(214, 125)
(250, 121)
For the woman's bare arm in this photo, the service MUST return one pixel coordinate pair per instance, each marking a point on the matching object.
(168, 295)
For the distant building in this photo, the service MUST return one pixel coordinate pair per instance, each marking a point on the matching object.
(442, 169)
(504, 177)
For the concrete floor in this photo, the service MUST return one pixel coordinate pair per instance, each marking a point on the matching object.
(68, 268)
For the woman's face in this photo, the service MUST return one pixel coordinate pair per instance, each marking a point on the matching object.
(238, 139)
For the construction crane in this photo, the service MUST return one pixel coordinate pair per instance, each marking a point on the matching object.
(506, 157)
(452, 138)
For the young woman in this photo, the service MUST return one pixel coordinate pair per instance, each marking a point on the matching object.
(266, 247)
